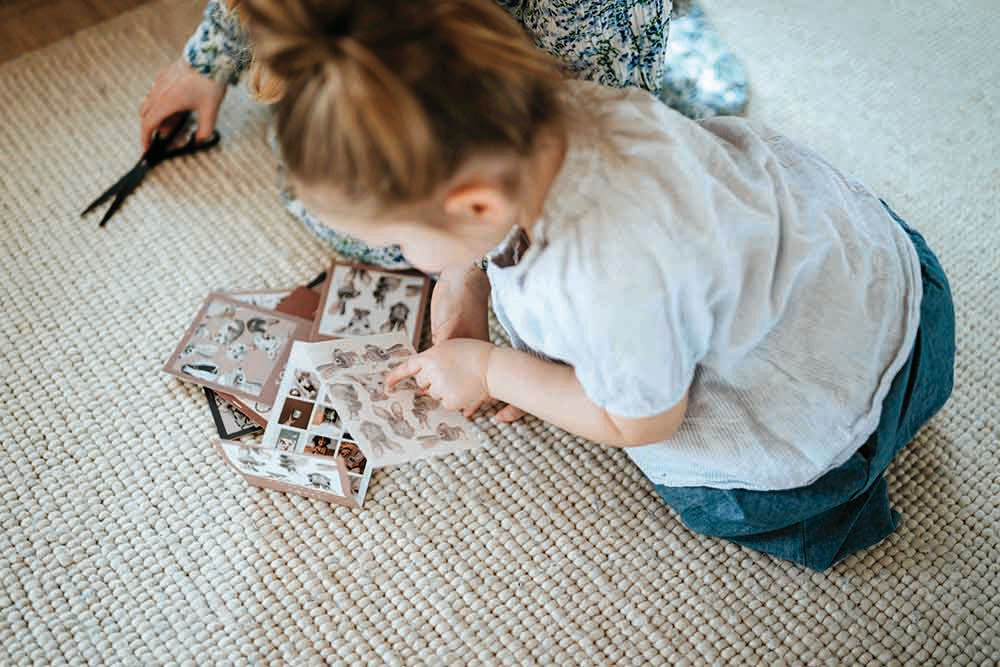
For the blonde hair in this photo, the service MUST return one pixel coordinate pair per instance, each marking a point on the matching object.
(384, 99)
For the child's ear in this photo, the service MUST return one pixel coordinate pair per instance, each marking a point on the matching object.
(480, 201)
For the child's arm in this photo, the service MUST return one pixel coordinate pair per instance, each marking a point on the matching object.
(552, 392)
(462, 373)
(459, 304)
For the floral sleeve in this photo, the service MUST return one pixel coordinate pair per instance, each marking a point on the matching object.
(220, 47)
(621, 43)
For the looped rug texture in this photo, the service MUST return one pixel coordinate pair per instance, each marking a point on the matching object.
(125, 540)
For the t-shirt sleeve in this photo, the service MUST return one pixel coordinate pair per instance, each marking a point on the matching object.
(635, 351)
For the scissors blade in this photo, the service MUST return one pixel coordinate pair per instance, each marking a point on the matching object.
(110, 192)
(129, 183)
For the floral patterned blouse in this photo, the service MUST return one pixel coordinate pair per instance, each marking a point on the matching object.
(617, 43)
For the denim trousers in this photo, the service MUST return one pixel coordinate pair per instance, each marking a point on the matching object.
(847, 509)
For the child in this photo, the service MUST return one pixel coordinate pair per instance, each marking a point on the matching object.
(760, 330)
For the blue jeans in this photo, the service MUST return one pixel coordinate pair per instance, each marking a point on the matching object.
(847, 509)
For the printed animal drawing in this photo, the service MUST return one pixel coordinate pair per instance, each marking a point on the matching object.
(237, 378)
(413, 289)
(221, 310)
(385, 285)
(260, 324)
(444, 433)
(229, 330)
(205, 370)
(267, 343)
(398, 313)
(376, 353)
(306, 383)
(201, 331)
(361, 274)
(395, 419)
(347, 396)
(377, 438)
(201, 349)
(358, 325)
(319, 481)
(247, 460)
(286, 462)
(422, 404)
(236, 351)
(374, 384)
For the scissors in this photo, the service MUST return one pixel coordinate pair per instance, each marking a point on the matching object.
(159, 150)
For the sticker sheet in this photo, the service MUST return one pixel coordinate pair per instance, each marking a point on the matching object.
(391, 427)
(304, 424)
(230, 421)
(236, 348)
(364, 301)
(274, 468)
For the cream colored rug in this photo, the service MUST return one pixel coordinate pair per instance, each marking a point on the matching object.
(126, 540)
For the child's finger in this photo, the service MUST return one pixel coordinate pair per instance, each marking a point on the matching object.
(468, 412)
(408, 368)
(510, 414)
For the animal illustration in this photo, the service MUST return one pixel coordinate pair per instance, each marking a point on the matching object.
(221, 310)
(201, 331)
(377, 438)
(319, 481)
(376, 353)
(229, 330)
(361, 274)
(374, 384)
(395, 419)
(306, 383)
(354, 458)
(237, 378)
(358, 325)
(201, 349)
(267, 343)
(385, 285)
(246, 459)
(236, 351)
(444, 433)
(422, 404)
(345, 293)
(347, 396)
(203, 370)
(286, 462)
(413, 289)
(260, 324)
(398, 313)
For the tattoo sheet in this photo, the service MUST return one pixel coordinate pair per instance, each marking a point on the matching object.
(390, 427)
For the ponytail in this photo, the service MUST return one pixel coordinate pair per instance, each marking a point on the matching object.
(385, 98)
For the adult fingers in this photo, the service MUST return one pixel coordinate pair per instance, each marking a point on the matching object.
(207, 115)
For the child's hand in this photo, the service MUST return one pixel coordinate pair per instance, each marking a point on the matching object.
(459, 303)
(179, 88)
(453, 372)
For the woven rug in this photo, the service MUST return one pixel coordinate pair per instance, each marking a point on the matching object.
(126, 540)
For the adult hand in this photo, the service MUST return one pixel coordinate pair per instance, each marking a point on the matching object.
(178, 88)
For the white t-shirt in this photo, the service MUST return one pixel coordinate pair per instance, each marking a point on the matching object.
(722, 257)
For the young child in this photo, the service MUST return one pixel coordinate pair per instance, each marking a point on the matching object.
(761, 331)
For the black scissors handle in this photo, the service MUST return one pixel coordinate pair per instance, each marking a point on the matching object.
(158, 151)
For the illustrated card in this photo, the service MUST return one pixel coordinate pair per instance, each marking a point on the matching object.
(391, 427)
(236, 348)
(363, 301)
(317, 477)
(230, 421)
(304, 424)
